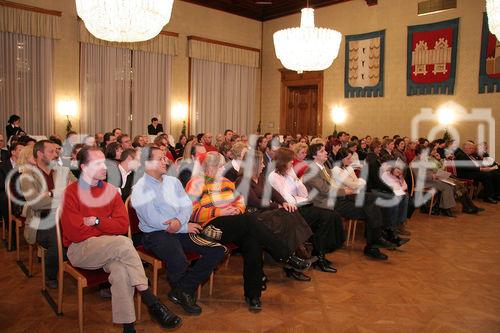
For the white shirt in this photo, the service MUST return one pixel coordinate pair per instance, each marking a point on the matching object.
(397, 185)
(347, 177)
(13, 163)
(124, 175)
(290, 187)
(236, 165)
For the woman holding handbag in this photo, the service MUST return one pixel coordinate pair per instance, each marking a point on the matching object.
(217, 205)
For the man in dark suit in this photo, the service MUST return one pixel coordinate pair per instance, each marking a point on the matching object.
(468, 167)
(154, 128)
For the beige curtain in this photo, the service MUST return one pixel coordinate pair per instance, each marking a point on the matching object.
(29, 22)
(105, 81)
(164, 44)
(223, 96)
(222, 53)
(151, 86)
(26, 81)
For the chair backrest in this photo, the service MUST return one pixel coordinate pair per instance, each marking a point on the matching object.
(132, 217)
(412, 181)
(178, 160)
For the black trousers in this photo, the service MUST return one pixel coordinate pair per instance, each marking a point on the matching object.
(251, 236)
(171, 248)
(327, 228)
(368, 212)
(47, 239)
(490, 181)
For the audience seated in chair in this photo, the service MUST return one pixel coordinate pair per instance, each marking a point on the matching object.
(94, 220)
(42, 186)
(277, 214)
(469, 167)
(326, 225)
(217, 206)
(164, 209)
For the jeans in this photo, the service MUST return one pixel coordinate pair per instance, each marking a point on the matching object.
(171, 248)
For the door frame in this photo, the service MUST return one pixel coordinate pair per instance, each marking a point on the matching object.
(292, 79)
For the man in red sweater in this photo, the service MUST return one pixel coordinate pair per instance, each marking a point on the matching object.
(94, 220)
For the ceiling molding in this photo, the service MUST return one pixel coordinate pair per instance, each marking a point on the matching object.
(263, 12)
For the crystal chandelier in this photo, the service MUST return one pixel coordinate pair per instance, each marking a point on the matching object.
(493, 10)
(124, 20)
(307, 48)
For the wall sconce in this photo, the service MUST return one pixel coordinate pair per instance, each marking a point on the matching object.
(180, 112)
(338, 117)
(446, 115)
(67, 108)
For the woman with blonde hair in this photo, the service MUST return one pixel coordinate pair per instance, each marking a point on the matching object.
(218, 207)
(299, 163)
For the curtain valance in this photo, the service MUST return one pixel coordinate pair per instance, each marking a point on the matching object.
(211, 50)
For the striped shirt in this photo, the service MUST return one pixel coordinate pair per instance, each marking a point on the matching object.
(210, 196)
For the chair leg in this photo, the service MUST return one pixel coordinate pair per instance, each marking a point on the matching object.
(9, 236)
(60, 290)
(211, 284)
(156, 268)
(431, 204)
(227, 260)
(348, 238)
(354, 231)
(31, 248)
(80, 305)
(139, 303)
(199, 291)
(18, 247)
(43, 267)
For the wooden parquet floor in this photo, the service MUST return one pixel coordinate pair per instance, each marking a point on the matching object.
(447, 279)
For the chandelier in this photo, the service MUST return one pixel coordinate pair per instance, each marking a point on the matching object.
(307, 48)
(124, 20)
(493, 10)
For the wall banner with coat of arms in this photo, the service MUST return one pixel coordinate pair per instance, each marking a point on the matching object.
(432, 58)
(489, 66)
(364, 65)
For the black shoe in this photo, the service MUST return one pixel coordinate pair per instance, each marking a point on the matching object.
(400, 241)
(164, 316)
(479, 209)
(469, 210)
(375, 253)
(254, 304)
(299, 276)
(447, 212)
(490, 200)
(324, 266)
(187, 301)
(297, 263)
(383, 243)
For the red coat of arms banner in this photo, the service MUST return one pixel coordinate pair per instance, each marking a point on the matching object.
(489, 67)
(431, 58)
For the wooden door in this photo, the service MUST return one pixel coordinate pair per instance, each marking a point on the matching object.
(301, 102)
(302, 110)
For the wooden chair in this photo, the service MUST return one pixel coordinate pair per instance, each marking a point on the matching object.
(351, 231)
(19, 223)
(84, 277)
(424, 190)
(151, 258)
